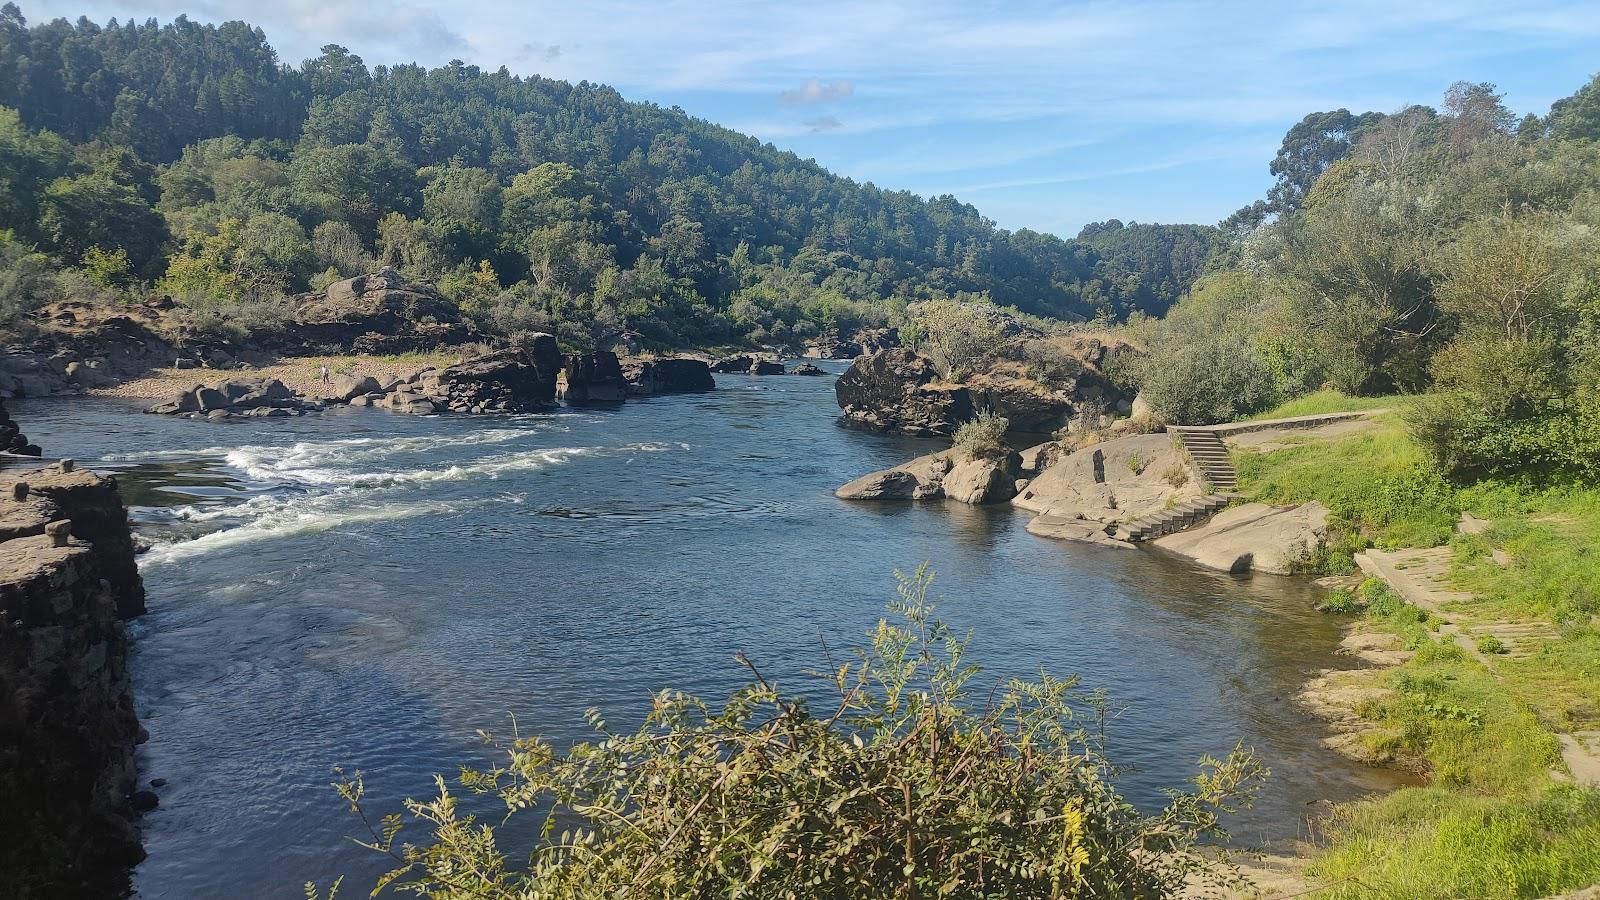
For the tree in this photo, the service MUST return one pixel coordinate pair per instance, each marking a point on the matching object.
(1476, 112)
(1314, 143)
(1364, 301)
(457, 194)
(338, 247)
(354, 183)
(29, 162)
(955, 334)
(1577, 118)
(94, 210)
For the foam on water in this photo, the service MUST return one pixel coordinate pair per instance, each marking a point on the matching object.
(312, 487)
(307, 515)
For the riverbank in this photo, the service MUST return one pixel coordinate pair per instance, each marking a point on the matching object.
(303, 375)
(1474, 688)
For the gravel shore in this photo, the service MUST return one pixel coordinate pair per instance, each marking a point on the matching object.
(300, 374)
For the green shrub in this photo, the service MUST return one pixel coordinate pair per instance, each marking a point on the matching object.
(1341, 600)
(1206, 380)
(982, 436)
(1490, 644)
(902, 784)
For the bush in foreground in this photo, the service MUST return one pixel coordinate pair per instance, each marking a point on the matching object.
(905, 785)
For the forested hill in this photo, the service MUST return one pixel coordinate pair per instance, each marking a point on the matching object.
(567, 196)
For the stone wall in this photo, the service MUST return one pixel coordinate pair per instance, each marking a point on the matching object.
(67, 723)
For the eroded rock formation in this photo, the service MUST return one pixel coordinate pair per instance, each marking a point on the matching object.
(668, 375)
(12, 440)
(591, 378)
(897, 390)
(67, 723)
(377, 313)
(237, 397)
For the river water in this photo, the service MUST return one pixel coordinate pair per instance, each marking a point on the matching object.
(367, 590)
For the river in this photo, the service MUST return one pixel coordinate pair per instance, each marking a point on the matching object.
(367, 590)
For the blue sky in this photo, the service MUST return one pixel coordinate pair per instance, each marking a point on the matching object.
(1043, 115)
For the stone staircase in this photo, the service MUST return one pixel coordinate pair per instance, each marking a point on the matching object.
(1209, 456)
(1175, 519)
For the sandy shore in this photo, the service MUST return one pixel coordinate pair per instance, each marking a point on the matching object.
(301, 374)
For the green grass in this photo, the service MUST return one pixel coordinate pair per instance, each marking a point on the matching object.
(1491, 822)
(1328, 401)
(1379, 486)
(1438, 843)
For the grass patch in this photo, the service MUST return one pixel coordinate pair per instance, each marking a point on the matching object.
(1492, 823)
(1379, 486)
(1321, 402)
(1437, 843)
(1561, 680)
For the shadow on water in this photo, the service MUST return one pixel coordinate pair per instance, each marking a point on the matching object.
(367, 589)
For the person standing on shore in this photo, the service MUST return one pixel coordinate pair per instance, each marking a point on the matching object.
(324, 373)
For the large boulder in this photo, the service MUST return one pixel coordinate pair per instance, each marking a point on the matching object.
(949, 473)
(236, 397)
(12, 440)
(983, 479)
(344, 388)
(1254, 537)
(382, 313)
(668, 375)
(832, 348)
(591, 378)
(520, 378)
(748, 364)
(897, 390)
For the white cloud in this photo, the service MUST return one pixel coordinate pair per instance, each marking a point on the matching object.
(814, 92)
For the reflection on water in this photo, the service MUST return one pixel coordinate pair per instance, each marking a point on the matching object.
(367, 589)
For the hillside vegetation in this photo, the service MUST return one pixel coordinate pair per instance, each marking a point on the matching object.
(185, 158)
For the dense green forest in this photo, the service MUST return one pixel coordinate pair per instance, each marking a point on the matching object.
(186, 157)
(1453, 251)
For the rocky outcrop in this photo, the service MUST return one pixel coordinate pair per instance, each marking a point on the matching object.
(233, 398)
(806, 369)
(12, 440)
(668, 375)
(947, 474)
(1085, 493)
(67, 723)
(1254, 537)
(748, 364)
(591, 378)
(897, 390)
(832, 348)
(377, 313)
(71, 346)
(521, 378)
(1027, 405)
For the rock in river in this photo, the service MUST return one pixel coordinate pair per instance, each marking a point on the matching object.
(668, 375)
(897, 390)
(949, 473)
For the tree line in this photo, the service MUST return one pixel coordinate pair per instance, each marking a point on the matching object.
(188, 158)
(1451, 252)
